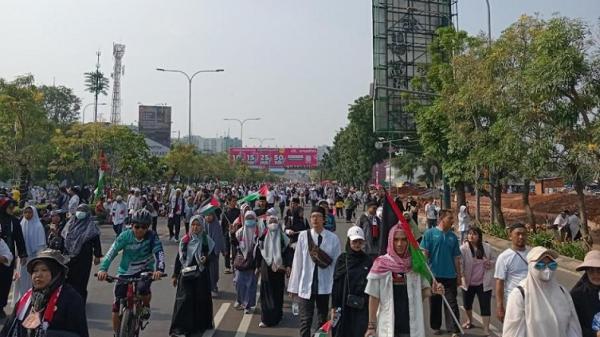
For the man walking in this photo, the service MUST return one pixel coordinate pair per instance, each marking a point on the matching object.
(231, 213)
(443, 250)
(371, 225)
(311, 279)
(511, 267)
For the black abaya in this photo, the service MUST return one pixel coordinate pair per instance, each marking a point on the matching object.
(272, 288)
(193, 310)
(80, 266)
(353, 322)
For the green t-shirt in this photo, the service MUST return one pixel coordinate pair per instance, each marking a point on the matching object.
(443, 247)
(138, 255)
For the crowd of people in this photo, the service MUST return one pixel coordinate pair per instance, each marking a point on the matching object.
(364, 285)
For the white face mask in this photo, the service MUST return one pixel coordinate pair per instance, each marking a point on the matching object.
(80, 215)
(545, 275)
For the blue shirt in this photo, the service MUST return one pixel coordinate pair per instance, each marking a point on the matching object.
(442, 247)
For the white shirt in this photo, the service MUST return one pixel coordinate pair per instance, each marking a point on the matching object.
(560, 221)
(431, 210)
(271, 197)
(512, 269)
(573, 222)
(5, 251)
(303, 267)
(118, 212)
(134, 204)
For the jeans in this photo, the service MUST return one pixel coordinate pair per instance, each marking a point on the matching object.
(245, 287)
(435, 314)
(307, 310)
(432, 223)
(118, 228)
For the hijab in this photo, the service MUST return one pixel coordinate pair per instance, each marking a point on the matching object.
(79, 231)
(273, 245)
(33, 233)
(247, 236)
(195, 244)
(392, 262)
(351, 258)
(546, 306)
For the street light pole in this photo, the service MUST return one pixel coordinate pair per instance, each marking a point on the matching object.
(261, 140)
(489, 22)
(379, 146)
(190, 78)
(85, 107)
(242, 122)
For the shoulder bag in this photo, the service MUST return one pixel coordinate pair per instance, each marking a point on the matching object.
(319, 257)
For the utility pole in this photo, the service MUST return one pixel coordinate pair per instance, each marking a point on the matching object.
(97, 85)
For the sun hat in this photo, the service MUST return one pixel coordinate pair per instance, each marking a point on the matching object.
(48, 255)
(355, 233)
(591, 260)
(537, 253)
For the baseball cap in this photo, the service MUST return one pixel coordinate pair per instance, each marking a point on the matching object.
(537, 253)
(355, 233)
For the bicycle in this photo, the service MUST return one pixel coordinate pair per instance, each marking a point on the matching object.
(130, 306)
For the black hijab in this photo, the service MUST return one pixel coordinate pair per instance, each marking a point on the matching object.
(352, 258)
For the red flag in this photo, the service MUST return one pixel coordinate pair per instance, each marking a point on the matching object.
(264, 190)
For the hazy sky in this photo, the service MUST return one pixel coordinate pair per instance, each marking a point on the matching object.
(296, 64)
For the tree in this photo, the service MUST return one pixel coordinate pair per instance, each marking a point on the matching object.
(61, 105)
(24, 130)
(97, 84)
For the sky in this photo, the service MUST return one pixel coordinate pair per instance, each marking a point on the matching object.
(296, 64)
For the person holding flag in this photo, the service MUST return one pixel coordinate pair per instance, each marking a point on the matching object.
(396, 291)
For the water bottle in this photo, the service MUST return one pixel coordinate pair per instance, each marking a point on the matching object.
(295, 309)
(337, 317)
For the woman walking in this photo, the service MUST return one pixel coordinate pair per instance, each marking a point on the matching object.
(478, 270)
(396, 292)
(349, 282)
(35, 241)
(246, 239)
(82, 245)
(274, 263)
(193, 309)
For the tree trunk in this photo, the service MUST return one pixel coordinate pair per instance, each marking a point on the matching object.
(528, 210)
(460, 195)
(498, 203)
(578, 184)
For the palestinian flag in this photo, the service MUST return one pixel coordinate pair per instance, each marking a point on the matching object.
(262, 192)
(209, 206)
(104, 167)
(392, 216)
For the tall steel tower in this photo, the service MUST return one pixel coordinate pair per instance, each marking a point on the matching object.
(118, 70)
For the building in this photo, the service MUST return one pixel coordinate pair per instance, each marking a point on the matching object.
(213, 145)
(154, 122)
(156, 148)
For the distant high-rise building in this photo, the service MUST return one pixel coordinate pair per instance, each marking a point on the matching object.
(154, 122)
(214, 145)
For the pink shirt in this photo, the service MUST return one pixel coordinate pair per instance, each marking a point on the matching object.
(477, 272)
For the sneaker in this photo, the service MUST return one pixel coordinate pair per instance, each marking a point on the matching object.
(227, 271)
(145, 313)
(238, 306)
(262, 325)
(249, 311)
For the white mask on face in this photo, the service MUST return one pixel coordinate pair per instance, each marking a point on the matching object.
(80, 215)
(544, 275)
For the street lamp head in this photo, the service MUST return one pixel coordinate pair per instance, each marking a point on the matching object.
(160, 69)
(219, 70)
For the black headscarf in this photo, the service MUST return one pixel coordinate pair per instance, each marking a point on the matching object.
(352, 258)
(40, 297)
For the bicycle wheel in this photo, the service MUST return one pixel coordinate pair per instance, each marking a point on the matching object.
(127, 324)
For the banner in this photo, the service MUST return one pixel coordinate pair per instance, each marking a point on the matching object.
(287, 158)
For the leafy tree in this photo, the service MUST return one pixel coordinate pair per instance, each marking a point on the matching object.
(61, 105)
(96, 83)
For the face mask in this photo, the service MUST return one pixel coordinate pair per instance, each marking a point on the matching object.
(544, 275)
(250, 223)
(80, 215)
(273, 226)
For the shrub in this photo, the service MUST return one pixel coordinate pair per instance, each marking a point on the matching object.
(494, 230)
(542, 238)
(576, 249)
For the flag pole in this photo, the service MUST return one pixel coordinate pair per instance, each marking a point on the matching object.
(401, 219)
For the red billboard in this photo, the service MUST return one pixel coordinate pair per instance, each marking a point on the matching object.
(287, 158)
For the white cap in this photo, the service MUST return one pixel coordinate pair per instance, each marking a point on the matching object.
(355, 233)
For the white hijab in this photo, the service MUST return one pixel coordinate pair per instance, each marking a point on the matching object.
(247, 236)
(547, 307)
(33, 232)
(271, 248)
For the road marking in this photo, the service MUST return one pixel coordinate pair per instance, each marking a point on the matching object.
(497, 331)
(217, 320)
(247, 319)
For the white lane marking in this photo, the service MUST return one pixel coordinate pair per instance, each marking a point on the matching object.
(497, 331)
(217, 320)
(247, 319)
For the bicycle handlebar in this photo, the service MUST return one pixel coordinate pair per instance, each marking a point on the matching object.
(144, 275)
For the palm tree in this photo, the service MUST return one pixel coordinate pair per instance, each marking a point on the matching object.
(96, 83)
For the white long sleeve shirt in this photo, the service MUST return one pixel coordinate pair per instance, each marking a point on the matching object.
(118, 212)
(5, 252)
(303, 267)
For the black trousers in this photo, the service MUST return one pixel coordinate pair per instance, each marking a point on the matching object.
(227, 250)
(154, 223)
(307, 310)
(6, 275)
(484, 298)
(174, 226)
(436, 304)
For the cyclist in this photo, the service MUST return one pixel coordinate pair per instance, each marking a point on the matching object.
(142, 252)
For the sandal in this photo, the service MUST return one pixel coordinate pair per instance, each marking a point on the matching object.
(468, 326)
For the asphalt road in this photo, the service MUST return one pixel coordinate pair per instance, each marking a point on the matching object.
(228, 321)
